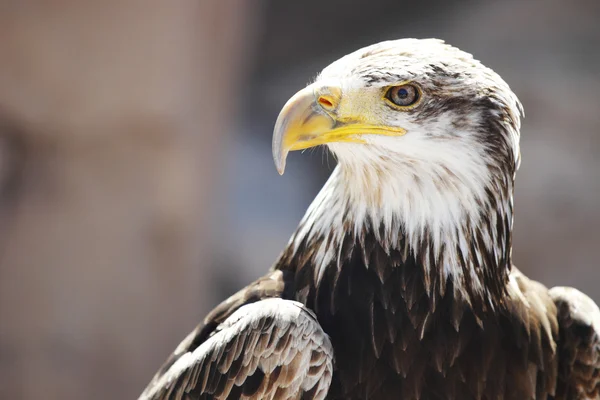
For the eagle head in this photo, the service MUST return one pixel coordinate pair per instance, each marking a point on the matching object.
(427, 143)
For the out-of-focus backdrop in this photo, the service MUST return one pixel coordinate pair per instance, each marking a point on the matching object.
(137, 187)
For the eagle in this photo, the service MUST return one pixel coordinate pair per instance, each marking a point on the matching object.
(398, 282)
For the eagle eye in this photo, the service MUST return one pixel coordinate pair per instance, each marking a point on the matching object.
(404, 95)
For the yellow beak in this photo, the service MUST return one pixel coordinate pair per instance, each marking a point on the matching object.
(309, 119)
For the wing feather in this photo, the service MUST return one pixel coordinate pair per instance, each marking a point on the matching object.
(579, 347)
(270, 349)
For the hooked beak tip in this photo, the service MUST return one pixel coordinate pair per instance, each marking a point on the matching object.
(279, 157)
(280, 168)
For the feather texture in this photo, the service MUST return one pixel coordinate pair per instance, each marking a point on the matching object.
(270, 349)
(579, 345)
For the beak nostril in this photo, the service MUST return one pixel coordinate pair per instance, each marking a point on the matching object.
(326, 102)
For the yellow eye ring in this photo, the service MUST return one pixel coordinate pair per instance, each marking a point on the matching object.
(404, 96)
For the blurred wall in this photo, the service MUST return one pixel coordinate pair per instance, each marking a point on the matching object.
(113, 121)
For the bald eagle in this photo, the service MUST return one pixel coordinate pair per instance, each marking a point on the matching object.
(398, 282)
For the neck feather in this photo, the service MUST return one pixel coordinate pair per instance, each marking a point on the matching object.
(456, 228)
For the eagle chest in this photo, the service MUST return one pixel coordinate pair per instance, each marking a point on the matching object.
(393, 339)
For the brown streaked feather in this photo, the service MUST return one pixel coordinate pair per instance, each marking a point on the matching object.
(270, 349)
(578, 346)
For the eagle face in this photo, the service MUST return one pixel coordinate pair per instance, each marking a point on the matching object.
(446, 101)
(427, 142)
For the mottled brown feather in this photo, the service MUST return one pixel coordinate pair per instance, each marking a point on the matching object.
(578, 346)
(262, 347)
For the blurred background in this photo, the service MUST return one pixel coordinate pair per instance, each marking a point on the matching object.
(137, 187)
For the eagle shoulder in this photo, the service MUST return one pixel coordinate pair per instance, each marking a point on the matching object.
(254, 345)
(579, 344)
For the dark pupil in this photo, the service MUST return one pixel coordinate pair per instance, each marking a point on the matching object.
(402, 93)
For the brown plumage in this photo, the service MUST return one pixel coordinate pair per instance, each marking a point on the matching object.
(398, 283)
(279, 353)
